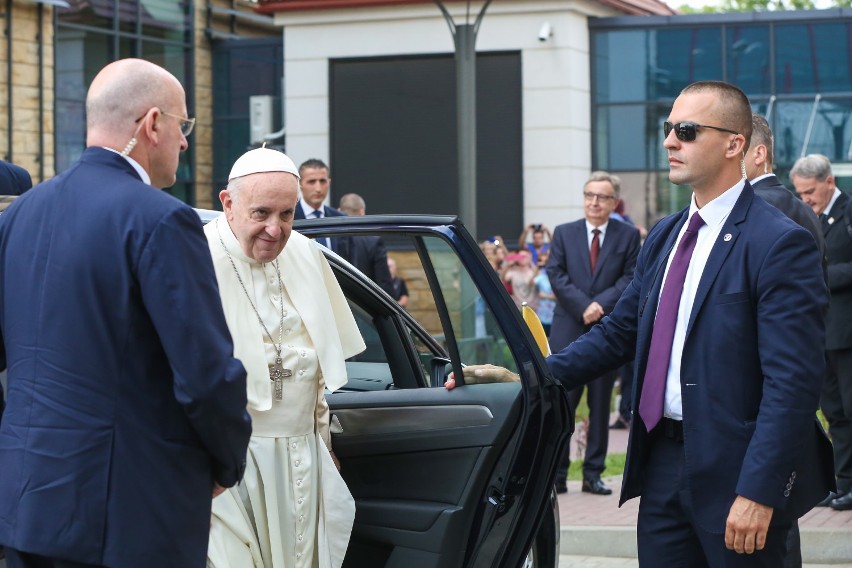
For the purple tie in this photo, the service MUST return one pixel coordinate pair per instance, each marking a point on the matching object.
(654, 386)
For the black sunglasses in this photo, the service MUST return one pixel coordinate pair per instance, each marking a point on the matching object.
(686, 131)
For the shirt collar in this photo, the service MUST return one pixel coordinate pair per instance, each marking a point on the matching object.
(833, 199)
(760, 177)
(602, 228)
(139, 169)
(308, 209)
(715, 212)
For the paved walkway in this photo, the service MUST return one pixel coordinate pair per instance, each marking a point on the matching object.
(597, 533)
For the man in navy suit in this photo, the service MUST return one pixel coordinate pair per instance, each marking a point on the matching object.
(14, 180)
(126, 410)
(814, 182)
(590, 264)
(314, 184)
(725, 449)
(366, 252)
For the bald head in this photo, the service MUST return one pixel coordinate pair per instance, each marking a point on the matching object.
(732, 110)
(352, 204)
(121, 92)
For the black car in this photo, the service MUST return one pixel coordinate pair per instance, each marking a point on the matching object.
(443, 478)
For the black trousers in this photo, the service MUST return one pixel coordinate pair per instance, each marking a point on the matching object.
(836, 404)
(599, 399)
(667, 534)
(17, 559)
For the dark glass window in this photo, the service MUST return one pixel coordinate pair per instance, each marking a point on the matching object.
(747, 58)
(812, 58)
(90, 34)
(621, 58)
(630, 137)
(684, 56)
(812, 127)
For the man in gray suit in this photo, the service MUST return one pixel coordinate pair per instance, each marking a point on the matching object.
(590, 264)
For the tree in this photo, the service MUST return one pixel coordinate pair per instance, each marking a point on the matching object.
(760, 6)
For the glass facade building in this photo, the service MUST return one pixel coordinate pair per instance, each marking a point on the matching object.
(795, 67)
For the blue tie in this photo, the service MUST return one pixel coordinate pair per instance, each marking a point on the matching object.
(317, 214)
(660, 352)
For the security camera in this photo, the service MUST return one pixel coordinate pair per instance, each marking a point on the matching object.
(545, 32)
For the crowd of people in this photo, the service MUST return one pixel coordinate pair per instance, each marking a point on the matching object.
(721, 319)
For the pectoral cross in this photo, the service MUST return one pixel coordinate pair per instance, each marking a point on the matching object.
(277, 374)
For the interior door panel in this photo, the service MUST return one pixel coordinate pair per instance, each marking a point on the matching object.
(393, 447)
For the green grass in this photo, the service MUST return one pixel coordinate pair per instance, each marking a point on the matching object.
(614, 466)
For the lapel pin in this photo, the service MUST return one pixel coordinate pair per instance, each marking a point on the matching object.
(831, 220)
(728, 237)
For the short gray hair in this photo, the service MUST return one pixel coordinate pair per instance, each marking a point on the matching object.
(814, 166)
(601, 175)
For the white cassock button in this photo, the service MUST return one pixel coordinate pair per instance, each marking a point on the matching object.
(301, 518)
(300, 538)
(293, 445)
(300, 500)
(304, 354)
(302, 372)
(298, 555)
(298, 483)
(298, 462)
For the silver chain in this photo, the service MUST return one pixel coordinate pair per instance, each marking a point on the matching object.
(280, 345)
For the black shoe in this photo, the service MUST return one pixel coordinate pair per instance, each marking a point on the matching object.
(596, 486)
(843, 503)
(561, 488)
(827, 501)
(619, 424)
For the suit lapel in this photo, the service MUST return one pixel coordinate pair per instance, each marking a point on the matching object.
(721, 248)
(582, 241)
(612, 235)
(838, 212)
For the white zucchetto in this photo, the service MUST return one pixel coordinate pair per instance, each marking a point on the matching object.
(262, 160)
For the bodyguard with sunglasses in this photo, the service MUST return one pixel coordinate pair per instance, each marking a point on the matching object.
(725, 318)
(126, 409)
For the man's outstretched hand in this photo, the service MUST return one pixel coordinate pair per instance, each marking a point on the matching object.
(478, 374)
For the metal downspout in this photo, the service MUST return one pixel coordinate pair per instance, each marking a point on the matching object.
(9, 138)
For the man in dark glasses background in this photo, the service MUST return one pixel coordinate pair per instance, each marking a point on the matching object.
(725, 318)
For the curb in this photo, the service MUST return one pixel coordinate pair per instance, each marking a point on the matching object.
(819, 545)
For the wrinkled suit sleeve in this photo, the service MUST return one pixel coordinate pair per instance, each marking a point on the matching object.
(179, 289)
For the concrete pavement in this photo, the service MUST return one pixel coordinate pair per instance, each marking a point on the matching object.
(597, 533)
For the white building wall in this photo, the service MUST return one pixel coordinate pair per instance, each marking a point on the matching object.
(555, 81)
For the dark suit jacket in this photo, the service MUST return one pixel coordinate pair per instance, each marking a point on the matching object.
(125, 403)
(327, 211)
(14, 180)
(838, 241)
(751, 369)
(335, 242)
(570, 272)
(776, 194)
(369, 255)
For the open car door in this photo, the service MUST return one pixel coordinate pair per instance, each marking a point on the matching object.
(443, 478)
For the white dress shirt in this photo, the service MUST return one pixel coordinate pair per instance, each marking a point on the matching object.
(714, 214)
(590, 235)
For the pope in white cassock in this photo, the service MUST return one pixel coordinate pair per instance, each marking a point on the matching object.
(292, 330)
